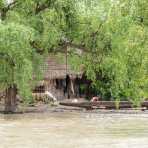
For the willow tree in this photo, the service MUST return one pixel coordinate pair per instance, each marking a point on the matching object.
(30, 29)
(16, 62)
(115, 36)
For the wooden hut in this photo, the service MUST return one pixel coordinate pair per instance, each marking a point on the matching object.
(59, 79)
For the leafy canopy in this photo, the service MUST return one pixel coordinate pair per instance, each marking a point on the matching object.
(113, 35)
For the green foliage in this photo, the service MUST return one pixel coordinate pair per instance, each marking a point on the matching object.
(112, 33)
(30, 29)
(75, 62)
(16, 62)
(117, 61)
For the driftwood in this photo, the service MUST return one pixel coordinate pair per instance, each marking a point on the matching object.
(103, 104)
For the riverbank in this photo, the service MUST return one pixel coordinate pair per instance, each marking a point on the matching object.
(47, 108)
(41, 107)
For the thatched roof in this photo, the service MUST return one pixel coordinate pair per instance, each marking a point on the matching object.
(56, 68)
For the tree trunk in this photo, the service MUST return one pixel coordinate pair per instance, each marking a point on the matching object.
(10, 100)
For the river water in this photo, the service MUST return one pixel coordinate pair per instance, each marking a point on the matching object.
(74, 130)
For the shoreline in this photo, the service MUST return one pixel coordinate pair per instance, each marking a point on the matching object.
(47, 108)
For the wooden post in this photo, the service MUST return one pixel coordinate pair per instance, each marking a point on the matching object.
(66, 60)
(72, 86)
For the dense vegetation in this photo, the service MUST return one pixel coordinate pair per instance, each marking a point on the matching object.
(28, 31)
(112, 35)
(116, 39)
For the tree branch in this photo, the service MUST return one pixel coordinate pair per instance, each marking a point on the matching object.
(36, 46)
(11, 4)
(78, 46)
(4, 10)
(65, 44)
(82, 47)
(42, 7)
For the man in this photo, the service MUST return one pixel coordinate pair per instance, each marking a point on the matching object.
(67, 86)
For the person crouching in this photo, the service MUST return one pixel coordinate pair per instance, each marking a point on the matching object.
(95, 99)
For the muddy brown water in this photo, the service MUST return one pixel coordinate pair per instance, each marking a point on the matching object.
(74, 130)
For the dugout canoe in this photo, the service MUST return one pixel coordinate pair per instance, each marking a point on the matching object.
(103, 104)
